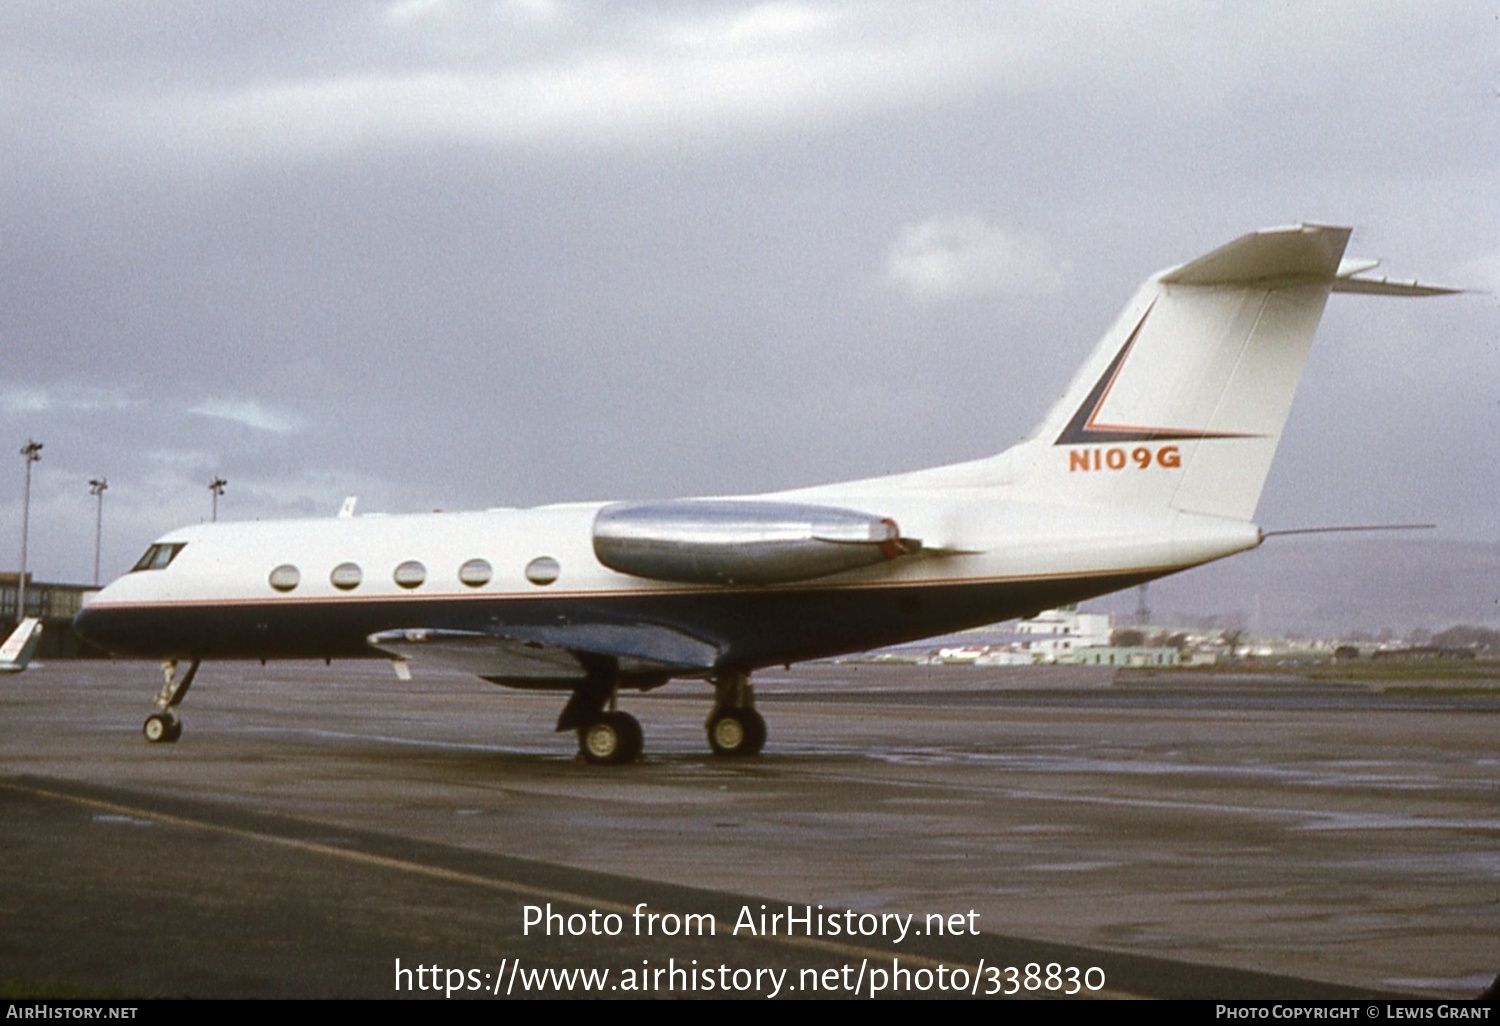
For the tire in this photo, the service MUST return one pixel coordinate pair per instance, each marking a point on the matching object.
(613, 739)
(737, 732)
(162, 728)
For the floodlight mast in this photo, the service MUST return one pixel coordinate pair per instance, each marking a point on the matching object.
(31, 452)
(96, 489)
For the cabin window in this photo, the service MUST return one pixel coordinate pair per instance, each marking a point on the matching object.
(158, 556)
(542, 570)
(476, 573)
(346, 576)
(285, 577)
(410, 574)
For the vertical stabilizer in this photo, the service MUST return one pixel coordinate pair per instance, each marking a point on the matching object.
(1183, 402)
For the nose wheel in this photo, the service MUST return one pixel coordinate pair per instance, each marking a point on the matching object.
(162, 728)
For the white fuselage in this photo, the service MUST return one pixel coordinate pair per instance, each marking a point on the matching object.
(970, 541)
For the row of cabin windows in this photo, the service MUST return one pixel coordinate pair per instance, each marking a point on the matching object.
(476, 573)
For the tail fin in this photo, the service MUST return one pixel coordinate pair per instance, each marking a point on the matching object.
(21, 645)
(1182, 404)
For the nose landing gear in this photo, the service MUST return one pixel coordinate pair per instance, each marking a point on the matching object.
(164, 726)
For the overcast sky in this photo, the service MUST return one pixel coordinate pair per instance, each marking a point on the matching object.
(457, 255)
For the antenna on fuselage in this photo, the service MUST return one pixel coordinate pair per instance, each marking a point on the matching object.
(347, 509)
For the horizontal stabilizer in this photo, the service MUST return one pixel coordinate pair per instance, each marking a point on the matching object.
(1297, 255)
(1387, 287)
(1350, 278)
(1301, 253)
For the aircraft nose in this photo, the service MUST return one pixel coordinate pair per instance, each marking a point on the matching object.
(106, 629)
(92, 626)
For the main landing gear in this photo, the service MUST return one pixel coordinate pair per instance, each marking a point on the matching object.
(164, 726)
(606, 736)
(614, 737)
(609, 737)
(734, 726)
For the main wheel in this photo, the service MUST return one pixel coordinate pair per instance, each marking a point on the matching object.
(736, 732)
(162, 728)
(612, 739)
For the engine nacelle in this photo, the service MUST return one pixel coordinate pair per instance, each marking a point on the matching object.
(742, 542)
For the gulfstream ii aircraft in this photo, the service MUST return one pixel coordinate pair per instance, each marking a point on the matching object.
(1151, 462)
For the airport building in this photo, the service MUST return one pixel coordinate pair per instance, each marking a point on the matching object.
(1054, 636)
(1118, 655)
(1062, 636)
(55, 604)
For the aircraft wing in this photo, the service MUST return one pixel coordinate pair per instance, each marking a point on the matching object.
(551, 653)
(721, 542)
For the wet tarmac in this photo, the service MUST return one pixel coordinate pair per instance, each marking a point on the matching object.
(318, 830)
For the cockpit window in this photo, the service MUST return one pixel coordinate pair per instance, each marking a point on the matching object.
(158, 556)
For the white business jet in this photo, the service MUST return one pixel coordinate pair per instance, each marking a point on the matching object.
(1151, 462)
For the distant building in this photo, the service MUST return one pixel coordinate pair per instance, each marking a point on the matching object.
(1424, 652)
(1114, 655)
(1062, 635)
(1054, 635)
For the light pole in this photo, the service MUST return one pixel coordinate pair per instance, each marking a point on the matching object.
(32, 451)
(217, 487)
(96, 488)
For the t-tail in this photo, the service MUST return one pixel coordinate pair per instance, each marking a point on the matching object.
(21, 645)
(1182, 404)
